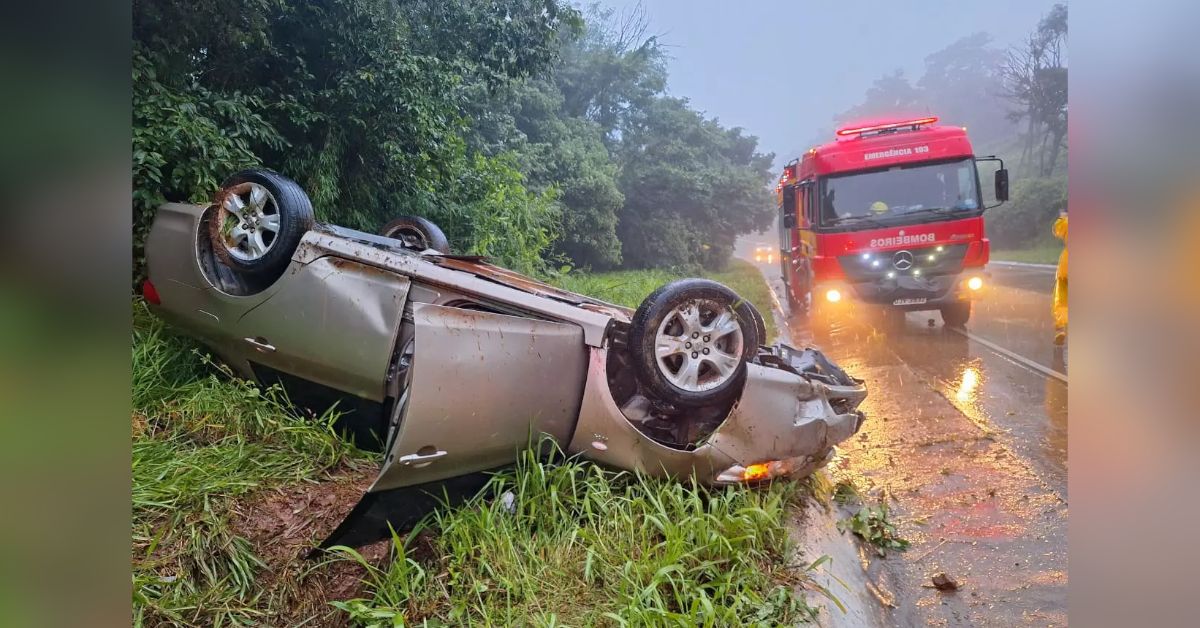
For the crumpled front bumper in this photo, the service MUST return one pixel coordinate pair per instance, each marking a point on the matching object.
(795, 406)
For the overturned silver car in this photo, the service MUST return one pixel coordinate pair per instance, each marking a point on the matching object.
(450, 366)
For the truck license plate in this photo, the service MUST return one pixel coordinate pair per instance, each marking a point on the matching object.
(913, 301)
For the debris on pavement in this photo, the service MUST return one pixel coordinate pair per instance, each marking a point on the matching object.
(942, 582)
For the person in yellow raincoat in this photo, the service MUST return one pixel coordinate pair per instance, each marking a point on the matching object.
(1059, 306)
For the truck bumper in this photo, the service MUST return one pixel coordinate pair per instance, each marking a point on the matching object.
(911, 293)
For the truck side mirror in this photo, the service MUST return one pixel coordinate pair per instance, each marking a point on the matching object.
(789, 221)
(1002, 184)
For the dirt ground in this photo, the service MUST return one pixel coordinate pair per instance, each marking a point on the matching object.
(282, 525)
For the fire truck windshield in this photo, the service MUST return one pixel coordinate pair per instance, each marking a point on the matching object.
(900, 195)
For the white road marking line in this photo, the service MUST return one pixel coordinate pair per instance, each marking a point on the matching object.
(1044, 267)
(1019, 359)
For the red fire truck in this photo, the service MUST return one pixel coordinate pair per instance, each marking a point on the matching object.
(891, 214)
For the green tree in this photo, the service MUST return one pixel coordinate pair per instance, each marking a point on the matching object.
(962, 84)
(691, 187)
(1027, 218)
(613, 71)
(361, 101)
(557, 150)
(891, 94)
(1035, 80)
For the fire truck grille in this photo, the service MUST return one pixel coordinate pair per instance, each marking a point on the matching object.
(926, 261)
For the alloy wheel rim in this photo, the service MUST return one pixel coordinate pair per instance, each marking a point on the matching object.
(252, 221)
(698, 345)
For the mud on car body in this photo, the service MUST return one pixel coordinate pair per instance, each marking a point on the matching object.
(449, 365)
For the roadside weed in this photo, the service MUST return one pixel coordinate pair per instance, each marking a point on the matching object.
(871, 524)
(202, 439)
(583, 545)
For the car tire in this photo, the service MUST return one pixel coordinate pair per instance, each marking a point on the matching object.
(760, 327)
(260, 218)
(956, 315)
(417, 234)
(675, 319)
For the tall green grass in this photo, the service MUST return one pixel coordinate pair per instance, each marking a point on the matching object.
(630, 287)
(202, 439)
(580, 545)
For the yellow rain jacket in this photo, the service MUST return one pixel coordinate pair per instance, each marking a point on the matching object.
(1060, 276)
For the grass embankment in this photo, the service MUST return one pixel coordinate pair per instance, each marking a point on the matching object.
(1044, 253)
(204, 444)
(230, 487)
(629, 287)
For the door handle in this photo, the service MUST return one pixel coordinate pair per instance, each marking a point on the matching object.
(421, 459)
(260, 344)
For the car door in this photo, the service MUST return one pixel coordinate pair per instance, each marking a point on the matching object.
(332, 321)
(482, 386)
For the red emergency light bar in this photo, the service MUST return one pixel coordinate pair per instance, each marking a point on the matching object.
(883, 127)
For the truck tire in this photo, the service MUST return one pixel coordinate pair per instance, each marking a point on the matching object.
(417, 234)
(260, 218)
(689, 342)
(956, 315)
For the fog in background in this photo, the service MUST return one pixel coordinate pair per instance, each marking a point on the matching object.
(785, 70)
(1135, 306)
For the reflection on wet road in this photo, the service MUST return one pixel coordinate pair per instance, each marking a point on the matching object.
(998, 393)
(968, 445)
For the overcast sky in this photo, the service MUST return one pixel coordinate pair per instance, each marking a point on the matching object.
(782, 70)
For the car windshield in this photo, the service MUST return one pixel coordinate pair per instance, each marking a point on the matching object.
(896, 194)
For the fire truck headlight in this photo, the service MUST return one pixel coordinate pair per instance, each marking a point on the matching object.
(875, 263)
(833, 296)
(975, 283)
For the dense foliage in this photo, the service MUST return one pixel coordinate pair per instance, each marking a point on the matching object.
(1027, 217)
(527, 132)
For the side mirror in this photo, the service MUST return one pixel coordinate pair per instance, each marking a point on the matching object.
(1002, 184)
(789, 221)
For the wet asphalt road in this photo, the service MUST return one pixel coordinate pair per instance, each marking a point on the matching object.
(966, 438)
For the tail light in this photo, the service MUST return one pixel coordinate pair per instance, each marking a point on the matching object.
(737, 474)
(150, 293)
